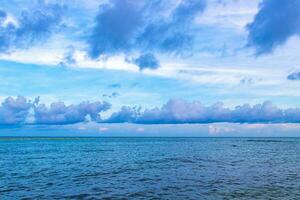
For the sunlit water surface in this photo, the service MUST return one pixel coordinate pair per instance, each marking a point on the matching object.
(150, 168)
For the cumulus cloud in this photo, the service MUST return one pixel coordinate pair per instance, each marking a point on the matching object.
(59, 113)
(124, 26)
(274, 24)
(180, 111)
(15, 111)
(126, 114)
(294, 76)
(34, 24)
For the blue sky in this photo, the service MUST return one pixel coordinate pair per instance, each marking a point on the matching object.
(149, 62)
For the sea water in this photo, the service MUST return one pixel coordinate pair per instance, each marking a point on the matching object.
(149, 168)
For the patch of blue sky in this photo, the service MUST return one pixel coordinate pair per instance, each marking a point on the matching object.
(75, 84)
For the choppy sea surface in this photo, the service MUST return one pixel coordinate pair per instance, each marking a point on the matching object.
(149, 168)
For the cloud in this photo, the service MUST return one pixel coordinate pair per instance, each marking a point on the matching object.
(247, 81)
(126, 114)
(274, 24)
(14, 111)
(59, 113)
(173, 34)
(126, 26)
(115, 85)
(34, 25)
(180, 111)
(3, 16)
(147, 61)
(17, 111)
(112, 95)
(215, 129)
(115, 25)
(294, 76)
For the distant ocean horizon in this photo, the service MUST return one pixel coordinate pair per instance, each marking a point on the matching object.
(149, 168)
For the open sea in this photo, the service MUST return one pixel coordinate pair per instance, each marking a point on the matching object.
(149, 168)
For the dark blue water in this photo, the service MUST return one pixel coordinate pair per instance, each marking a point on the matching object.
(150, 168)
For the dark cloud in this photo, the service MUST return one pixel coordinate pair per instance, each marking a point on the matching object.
(294, 76)
(123, 26)
(274, 24)
(34, 25)
(146, 61)
(180, 111)
(59, 113)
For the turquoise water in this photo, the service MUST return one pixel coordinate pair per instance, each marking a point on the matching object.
(150, 168)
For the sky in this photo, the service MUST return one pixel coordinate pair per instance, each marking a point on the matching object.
(202, 67)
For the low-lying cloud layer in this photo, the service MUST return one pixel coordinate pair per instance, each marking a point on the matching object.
(180, 111)
(59, 113)
(16, 111)
(20, 111)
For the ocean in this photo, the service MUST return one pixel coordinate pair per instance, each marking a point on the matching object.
(149, 168)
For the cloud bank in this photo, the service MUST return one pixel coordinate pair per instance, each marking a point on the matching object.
(59, 113)
(146, 61)
(180, 112)
(17, 111)
(274, 24)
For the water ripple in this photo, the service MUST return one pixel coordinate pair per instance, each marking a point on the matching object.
(149, 168)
